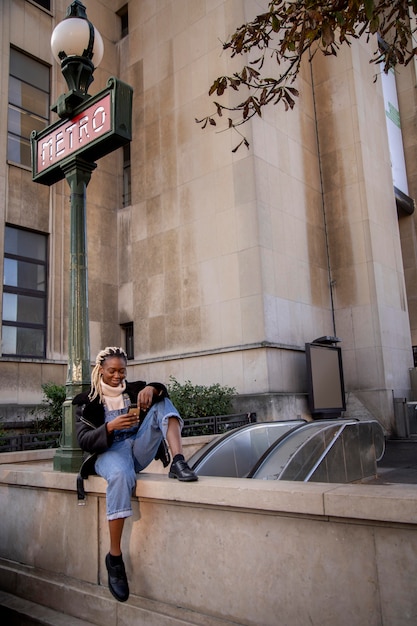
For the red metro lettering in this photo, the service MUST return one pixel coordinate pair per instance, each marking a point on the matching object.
(74, 134)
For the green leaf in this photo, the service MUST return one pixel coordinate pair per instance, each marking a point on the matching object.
(275, 23)
(369, 8)
(374, 25)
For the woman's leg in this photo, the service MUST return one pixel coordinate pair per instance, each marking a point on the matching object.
(155, 426)
(115, 530)
(162, 420)
(173, 436)
(117, 467)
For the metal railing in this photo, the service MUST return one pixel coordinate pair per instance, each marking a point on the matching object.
(216, 425)
(32, 441)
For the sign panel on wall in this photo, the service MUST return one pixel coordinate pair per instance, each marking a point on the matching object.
(100, 125)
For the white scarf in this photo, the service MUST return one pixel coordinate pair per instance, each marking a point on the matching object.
(113, 396)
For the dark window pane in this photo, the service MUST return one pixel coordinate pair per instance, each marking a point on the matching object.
(29, 70)
(24, 293)
(22, 122)
(46, 4)
(25, 243)
(29, 98)
(129, 340)
(23, 309)
(126, 176)
(123, 13)
(23, 341)
(24, 275)
(28, 104)
(18, 150)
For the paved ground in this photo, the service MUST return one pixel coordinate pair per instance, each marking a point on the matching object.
(399, 463)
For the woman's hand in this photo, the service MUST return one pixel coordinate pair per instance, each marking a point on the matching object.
(145, 397)
(126, 420)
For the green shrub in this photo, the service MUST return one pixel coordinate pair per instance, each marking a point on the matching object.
(48, 415)
(194, 401)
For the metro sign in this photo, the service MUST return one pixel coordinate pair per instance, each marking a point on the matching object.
(99, 125)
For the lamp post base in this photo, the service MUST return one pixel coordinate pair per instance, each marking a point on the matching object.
(68, 457)
(68, 460)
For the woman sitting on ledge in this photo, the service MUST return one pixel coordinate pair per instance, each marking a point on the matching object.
(123, 424)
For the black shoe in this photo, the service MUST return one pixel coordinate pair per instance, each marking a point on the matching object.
(118, 584)
(181, 470)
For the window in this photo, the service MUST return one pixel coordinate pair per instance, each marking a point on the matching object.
(28, 104)
(126, 176)
(46, 4)
(129, 343)
(124, 21)
(24, 293)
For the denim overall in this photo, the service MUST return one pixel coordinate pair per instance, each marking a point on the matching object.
(131, 452)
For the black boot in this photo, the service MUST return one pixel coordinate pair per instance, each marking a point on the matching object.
(181, 470)
(118, 584)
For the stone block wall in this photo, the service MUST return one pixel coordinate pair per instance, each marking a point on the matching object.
(219, 551)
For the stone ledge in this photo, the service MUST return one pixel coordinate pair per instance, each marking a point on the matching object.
(383, 503)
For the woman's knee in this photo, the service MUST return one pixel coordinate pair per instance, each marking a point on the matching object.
(122, 477)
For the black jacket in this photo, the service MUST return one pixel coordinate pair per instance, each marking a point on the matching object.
(91, 430)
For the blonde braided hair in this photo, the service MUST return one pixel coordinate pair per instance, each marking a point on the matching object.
(95, 374)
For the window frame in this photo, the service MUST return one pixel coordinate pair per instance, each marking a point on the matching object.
(129, 339)
(123, 14)
(40, 4)
(127, 176)
(21, 138)
(29, 292)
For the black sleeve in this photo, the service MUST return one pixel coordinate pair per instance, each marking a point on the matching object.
(89, 437)
(161, 389)
(133, 389)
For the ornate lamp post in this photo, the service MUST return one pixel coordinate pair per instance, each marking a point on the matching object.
(89, 127)
(78, 46)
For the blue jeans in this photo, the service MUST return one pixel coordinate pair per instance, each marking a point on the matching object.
(127, 457)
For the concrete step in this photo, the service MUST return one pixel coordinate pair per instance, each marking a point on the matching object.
(93, 604)
(16, 611)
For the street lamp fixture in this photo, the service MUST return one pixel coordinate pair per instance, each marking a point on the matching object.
(90, 127)
(77, 45)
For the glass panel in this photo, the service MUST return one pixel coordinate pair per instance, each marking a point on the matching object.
(28, 97)
(10, 307)
(24, 275)
(18, 150)
(10, 272)
(290, 452)
(236, 453)
(25, 243)
(30, 342)
(26, 309)
(23, 341)
(46, 4)
(29, 70)
(126, 176)
(21, 123)
(8, 340)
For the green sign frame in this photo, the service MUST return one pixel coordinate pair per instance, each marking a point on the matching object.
(97, 127)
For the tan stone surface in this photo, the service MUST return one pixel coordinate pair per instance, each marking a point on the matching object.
(223, 260)
(220, 549)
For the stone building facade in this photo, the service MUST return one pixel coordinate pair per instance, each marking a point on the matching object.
(212, 266)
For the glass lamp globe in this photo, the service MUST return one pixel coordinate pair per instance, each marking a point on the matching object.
(71, 38)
